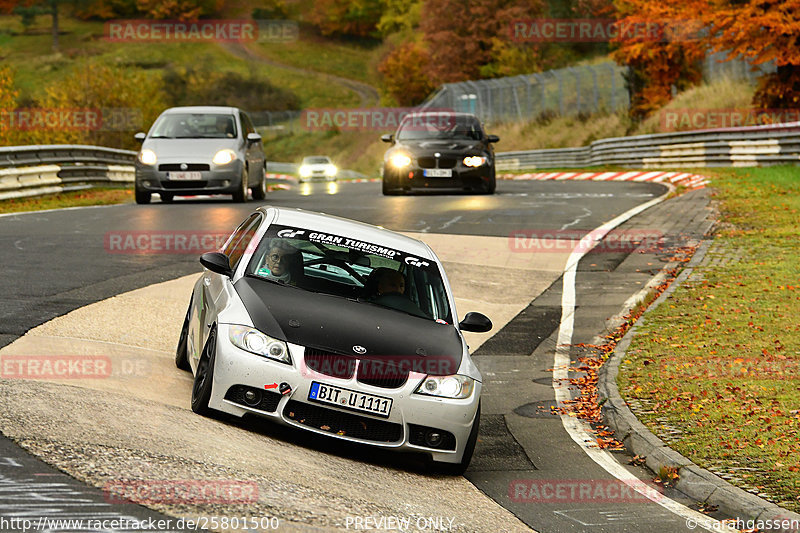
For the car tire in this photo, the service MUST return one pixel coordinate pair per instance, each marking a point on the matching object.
(142, 197)
(166, 197)
(387, 189)
(240, 195)
(204, 376)
(260, 192)
(182, 351)
(458, 469)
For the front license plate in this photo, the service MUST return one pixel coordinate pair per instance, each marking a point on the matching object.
(350, 399)
(185, 175)
(437, 172)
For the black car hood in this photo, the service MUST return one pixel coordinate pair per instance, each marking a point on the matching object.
(442, 145)
(336, 325)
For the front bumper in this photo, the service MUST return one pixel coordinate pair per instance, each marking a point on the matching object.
(463, 178)
(213, 179)
(237, 370)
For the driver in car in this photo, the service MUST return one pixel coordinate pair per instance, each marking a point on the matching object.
(280, 261)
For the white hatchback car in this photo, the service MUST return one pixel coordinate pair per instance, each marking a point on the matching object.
(335, 327)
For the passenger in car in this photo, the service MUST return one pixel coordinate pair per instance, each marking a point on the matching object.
(391, 281)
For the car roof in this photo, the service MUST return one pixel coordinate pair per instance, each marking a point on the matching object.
(348, 228)
(202, 109)
(316, 157)
(442, 112)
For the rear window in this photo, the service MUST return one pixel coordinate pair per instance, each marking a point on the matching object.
(351, 268)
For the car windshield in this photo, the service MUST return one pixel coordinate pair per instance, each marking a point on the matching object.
(439, 126)
(194, 126)
(316, 161)
(347, 267)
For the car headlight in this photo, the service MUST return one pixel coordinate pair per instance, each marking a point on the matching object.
(305, 171)
(330, 170)
(474, 161)
(455, 386)
(223, 157)
(253, 341)
(400, 160)
(147, 157)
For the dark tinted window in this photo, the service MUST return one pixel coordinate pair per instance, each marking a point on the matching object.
(237, 244)
(351, 268)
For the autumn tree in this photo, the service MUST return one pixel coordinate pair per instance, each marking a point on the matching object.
(127, 99)
(464, 36)
(760, 31)
(405, 74)
(667, 54)
(355, 18)
(179, 9)
(8, 100)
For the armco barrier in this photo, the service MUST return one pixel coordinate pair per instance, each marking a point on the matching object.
(746, 146)
(47, 169)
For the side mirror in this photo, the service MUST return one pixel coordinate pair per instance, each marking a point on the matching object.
(387, 137)
(216, 262)
(253, 138)
(476, 322)
(140, 136)
(492, 138)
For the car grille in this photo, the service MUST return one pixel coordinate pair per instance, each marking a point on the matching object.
(441, 162)
(330, 364)
(181, 184)
(345, 424)
(374, 372)
(269, 400)
(189, 166)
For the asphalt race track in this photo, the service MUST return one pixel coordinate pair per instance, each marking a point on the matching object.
(60, 261)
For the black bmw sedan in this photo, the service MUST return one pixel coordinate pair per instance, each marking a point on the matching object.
(439, 151)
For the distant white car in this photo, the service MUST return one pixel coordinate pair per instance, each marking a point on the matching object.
(317, 167)
(338, 328)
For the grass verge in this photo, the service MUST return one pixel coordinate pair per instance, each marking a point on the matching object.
(101, 196)
(715, 370)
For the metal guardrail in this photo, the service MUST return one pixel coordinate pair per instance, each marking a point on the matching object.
(37, 170)
(746, 146)
(46, 169)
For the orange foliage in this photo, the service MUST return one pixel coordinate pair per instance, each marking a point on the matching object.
(757, 30)
(405, 74)
(761, 31)
(657, 64)
(8, 99)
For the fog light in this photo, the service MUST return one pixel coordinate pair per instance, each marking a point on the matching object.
(433, 439)
(226, 183)
(252, 397)
(146, 183)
